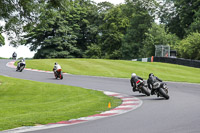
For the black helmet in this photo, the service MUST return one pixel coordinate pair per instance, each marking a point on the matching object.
(151, 74)
(56, 63)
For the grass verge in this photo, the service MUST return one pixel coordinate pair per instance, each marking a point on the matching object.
(120, 68)
(26, 103)
(2, 58)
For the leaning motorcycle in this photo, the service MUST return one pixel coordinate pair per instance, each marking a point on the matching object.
(20, 67)
(161, 89)
(142, 88)
(58, 74)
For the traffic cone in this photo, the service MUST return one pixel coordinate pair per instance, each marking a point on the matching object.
(109, 105)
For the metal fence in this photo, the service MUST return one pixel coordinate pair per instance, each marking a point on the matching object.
(162, 50)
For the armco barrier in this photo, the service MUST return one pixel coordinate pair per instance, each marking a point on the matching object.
(179, 61)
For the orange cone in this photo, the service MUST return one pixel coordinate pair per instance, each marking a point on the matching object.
(109, 105)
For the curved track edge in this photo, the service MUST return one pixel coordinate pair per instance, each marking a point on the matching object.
(129, 103)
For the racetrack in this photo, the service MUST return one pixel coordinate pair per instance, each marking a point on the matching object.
(179, 114)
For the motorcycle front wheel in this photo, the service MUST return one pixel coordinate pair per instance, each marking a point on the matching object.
(55, 75)
(21, 68)
(163, 93)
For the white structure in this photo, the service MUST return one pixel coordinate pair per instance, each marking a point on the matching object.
(162, 50)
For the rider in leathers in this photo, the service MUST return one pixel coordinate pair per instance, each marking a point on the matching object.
(21, 62)
(151, 80)
(57, 68)
(133, 81)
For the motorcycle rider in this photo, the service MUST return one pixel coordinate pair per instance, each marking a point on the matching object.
(14, 55)
(57, 68)
(151, 80)
(22, 61)
(134, 79)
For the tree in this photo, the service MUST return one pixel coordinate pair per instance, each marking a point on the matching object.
(19, 13)
(184, 18)
(195, 25)
(113, 31)
(88, 23)
(15, 14)
(93, 51)
(142, 17)
(54, 36)
(189, 47)
(157, 35)
(64, 32)
(2, 42)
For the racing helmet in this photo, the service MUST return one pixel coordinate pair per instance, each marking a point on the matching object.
(133, 75)
(151, 74)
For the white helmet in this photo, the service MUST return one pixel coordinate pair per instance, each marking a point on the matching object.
(133, 75)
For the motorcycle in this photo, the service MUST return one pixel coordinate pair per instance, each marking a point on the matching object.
(160, 89)
(142, 88)
(58, 74)
(20, 67)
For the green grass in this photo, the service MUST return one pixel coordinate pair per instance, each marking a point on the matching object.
(2, 58)
(26, 103)
(120, 68)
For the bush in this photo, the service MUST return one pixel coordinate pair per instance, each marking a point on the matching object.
(189, 47)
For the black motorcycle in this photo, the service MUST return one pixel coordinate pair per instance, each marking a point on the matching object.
(142, 88)
(20, 67)
(160, 89)
(58, 74)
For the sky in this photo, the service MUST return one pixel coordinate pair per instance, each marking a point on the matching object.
(6, 51)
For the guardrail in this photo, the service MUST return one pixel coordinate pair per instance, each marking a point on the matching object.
(178, 61)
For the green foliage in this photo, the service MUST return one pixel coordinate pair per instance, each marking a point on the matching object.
(104, 7)
(184, 18)
(189, 47)
(64, 33)
(140, 22)
(195, 25)
(113, 31)
(93, 51)
(2, 41)
(157, 35)
(20, 14)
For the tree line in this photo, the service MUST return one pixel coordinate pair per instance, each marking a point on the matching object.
(85, 29)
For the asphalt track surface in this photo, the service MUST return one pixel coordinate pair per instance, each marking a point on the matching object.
(179, 114)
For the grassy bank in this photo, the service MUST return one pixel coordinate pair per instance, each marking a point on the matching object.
(120, 68)
(25, 103)
(2, 58)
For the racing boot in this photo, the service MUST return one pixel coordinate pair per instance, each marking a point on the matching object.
(152, 91)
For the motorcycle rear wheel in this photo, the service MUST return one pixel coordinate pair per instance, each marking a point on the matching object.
(61, 75)
(145, 91)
